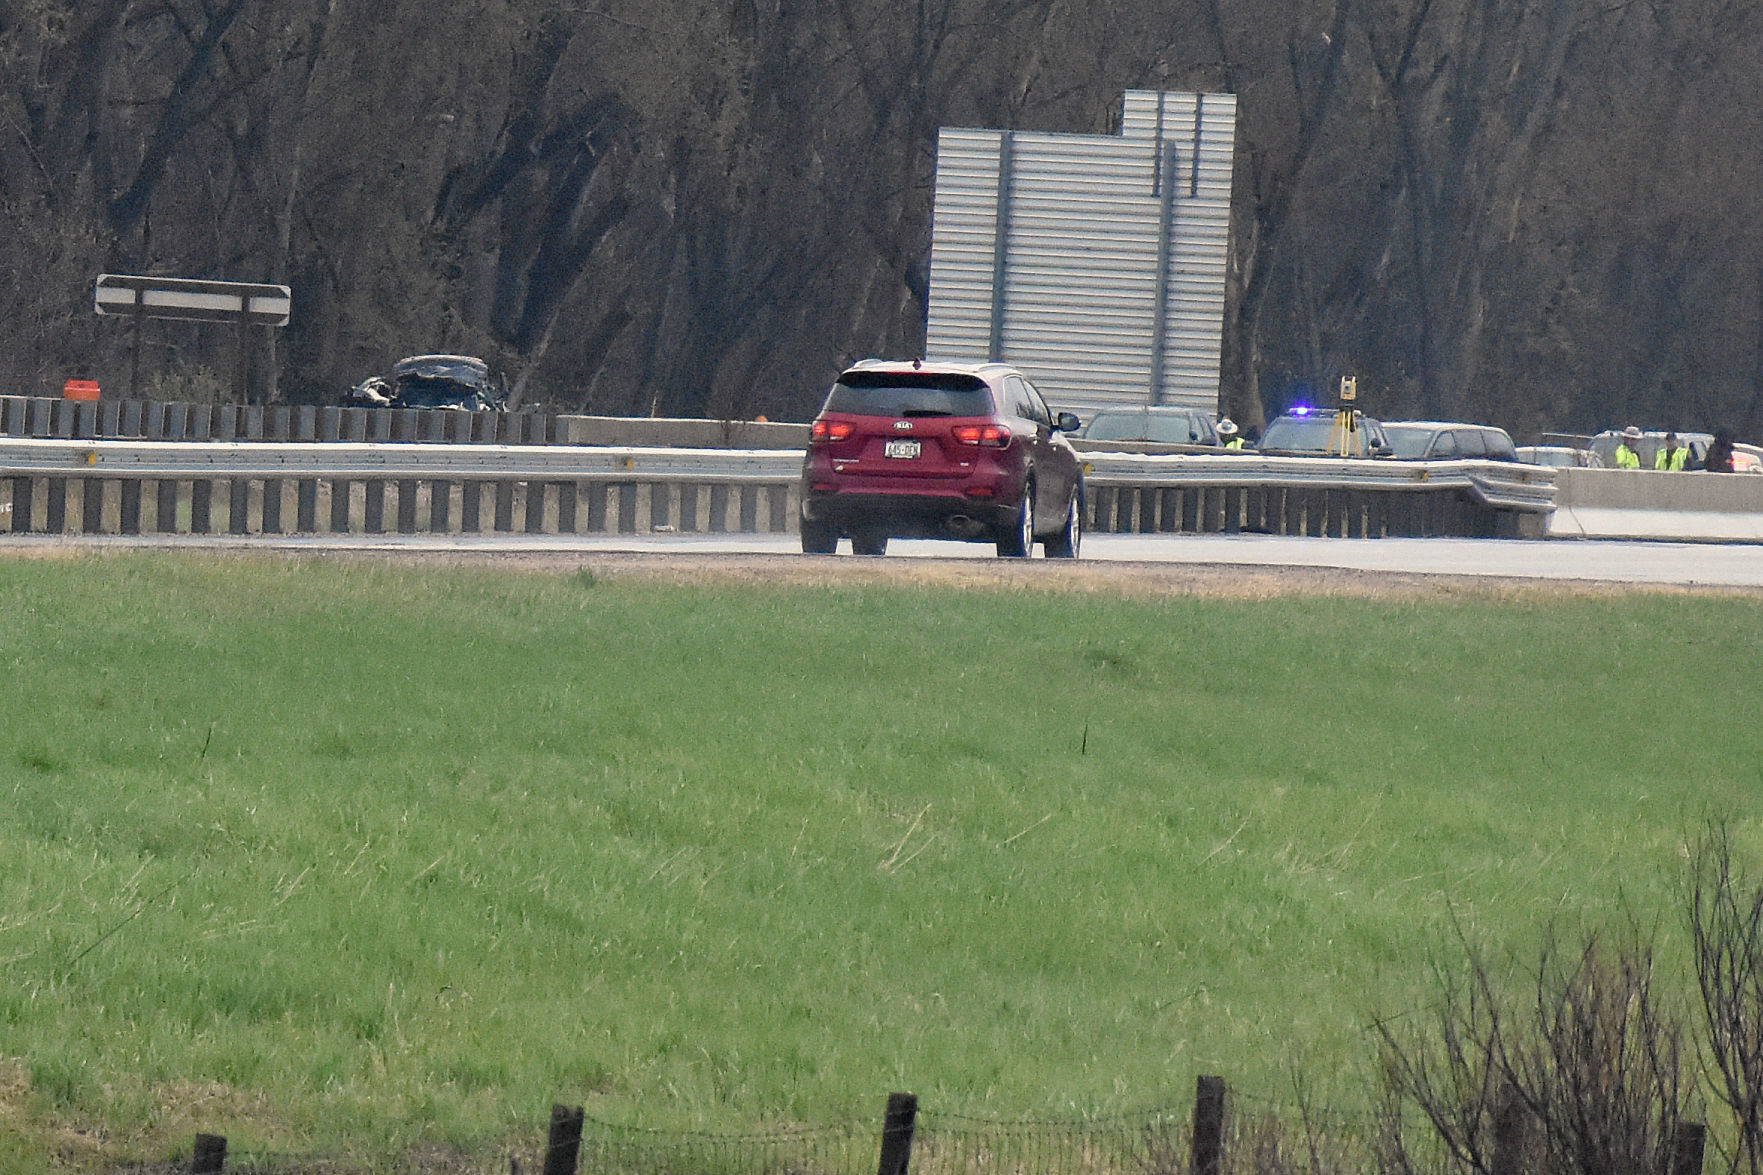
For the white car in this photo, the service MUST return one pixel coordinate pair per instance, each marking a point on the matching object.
(1559, 456)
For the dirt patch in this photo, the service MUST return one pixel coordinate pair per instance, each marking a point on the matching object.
(1216, 580)
(1084, 576)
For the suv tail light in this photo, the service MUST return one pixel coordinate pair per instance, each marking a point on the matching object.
(836, 430)
(991, 436)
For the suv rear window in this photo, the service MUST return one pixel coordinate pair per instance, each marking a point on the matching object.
(909, 393)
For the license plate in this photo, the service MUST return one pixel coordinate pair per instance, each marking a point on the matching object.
(906, 449)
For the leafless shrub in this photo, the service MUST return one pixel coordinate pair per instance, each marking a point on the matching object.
(1726, 924)
(1582, 1078)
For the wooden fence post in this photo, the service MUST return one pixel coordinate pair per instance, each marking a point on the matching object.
(1687, 1143)
(1511, 1134)
(210, 1156)
(1208, 1146)
(563, 1151)
(897, 1128)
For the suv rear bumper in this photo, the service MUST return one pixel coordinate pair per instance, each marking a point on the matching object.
(924, 516)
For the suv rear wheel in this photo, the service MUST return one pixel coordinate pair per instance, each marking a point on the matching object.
(1065, 544)
(1018, 539)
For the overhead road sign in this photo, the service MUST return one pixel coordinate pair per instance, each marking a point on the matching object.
(242, 303)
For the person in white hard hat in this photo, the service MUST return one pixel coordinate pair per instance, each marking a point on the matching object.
(1626, 457)
(1228, 436)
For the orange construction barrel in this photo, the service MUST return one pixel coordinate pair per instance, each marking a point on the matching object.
(80, 389)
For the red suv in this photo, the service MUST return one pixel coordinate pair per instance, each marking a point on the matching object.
(945, 451)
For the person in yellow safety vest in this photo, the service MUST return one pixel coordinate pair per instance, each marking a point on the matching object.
(1228, 436)
(1626, 457)
(1672, 456)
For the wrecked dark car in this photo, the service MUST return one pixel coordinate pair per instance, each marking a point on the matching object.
(458, 382)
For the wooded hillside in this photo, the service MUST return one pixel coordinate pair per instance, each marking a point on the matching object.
(1543, 213)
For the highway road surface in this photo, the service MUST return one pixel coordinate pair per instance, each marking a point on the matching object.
(1729, 565)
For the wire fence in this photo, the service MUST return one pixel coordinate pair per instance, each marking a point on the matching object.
(608, 1149)
(1247, 1135)
(1152, 1142)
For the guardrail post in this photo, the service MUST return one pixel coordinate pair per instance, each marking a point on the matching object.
(56, 522)
(306, 505)
(129, 516)
(471, 506)
(597, 493)
(91, 505)
(535, 507)
(210, 1155)
(627, 508)
(897, 1128)
(201, 506)
(780, 508)
(566, 503)
(239, 505)
(718, 509)
(272, 505)
(504, 506)
(373, 515)
(165, 506)
(563, 1148)
(1207, 1156)
(23, 499)
(440, 507)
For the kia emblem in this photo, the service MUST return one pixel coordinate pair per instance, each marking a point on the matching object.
(903, 425)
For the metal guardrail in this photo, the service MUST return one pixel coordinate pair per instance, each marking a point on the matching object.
(128, 487)
(164, 459)
(1497, 484)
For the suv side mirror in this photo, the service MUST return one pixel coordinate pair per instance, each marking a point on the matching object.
(1067, 422)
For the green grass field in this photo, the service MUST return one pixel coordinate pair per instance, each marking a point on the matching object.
(333, 855)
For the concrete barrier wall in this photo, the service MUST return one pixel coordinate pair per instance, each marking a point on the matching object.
(1647, 504)
(1647, 489)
